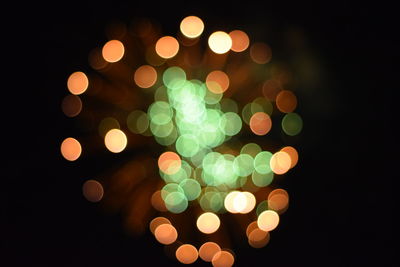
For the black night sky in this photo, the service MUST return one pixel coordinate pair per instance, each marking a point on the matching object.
(342, 192)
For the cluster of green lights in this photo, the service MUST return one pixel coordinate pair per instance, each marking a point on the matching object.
(195, 120)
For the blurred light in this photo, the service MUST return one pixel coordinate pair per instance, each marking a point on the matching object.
(191, 188)
(280, 162)
(167, 47)
(77, 83)
(261, 162)
(137, 121)
(239, 202)
(261, 104)
(260, 53)
(271, 89)
(258, 238)
(208, 250)
(187, 145)
(169, 162)
(229, 201)
(113, 51)
(261, 207)
(220, 42)
(250, 202)
(166, 234)
(292, 124)
(71, 149)
(286, 101)
(268, 220)
(93, 190)
(157, 202)
(230, 123)
(292, 152)
(251, 149)
(192, 26)
(278, 200)
(217, 81)
(115, 140)
(189, 109)
(71, 105)
(186, 254)
(260, 123)
(208, 223)
(176, 202)
(240, 40)
(252, 226)
(223, 259)
(228, 105)
(145, 76)
(157, 222)
(243, 165)
(262, 179)
(174, 77)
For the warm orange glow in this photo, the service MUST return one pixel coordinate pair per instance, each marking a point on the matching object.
(113, 51)
(169, 162)
(217, 81)
(71, 149)
(167, 47)
(260, 123)
(157, 222)
(77, 83)
(278, 200)
(260, 53)
(186, 254)
(268, 220)
(166, 234)
(157, 202)
(220, 42)
(208, 223)
(286, 101)
(145, 76)
(258, 238)
(240, 41)
(292, 152)
(280, 162)
(251, 227)
(223, 259)
(115, 140)
(71, 105)
(192, 26)
(93, 190)
(271, 89)
(208, 250)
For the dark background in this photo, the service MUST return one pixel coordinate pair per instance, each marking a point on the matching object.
(342, 191)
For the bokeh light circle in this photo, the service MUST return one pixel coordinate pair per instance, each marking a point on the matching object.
(208, 223)
(115, 140)
(192, 26)
(220, 42)
(71, 149)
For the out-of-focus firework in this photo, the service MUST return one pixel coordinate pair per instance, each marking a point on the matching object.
(205, 119)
